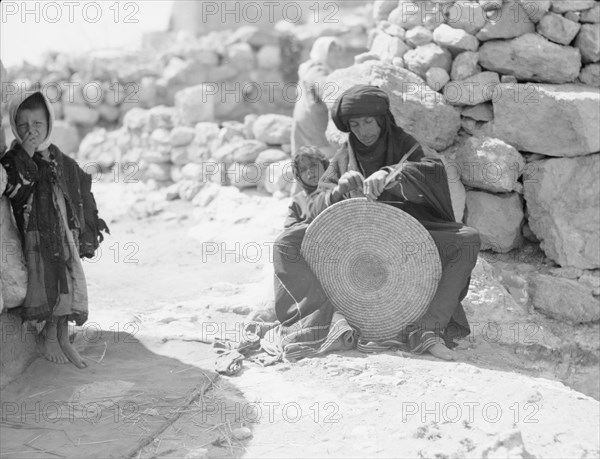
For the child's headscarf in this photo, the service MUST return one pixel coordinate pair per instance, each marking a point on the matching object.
(13, 107)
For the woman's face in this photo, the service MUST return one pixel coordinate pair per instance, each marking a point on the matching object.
(365, 129)
(33, 123)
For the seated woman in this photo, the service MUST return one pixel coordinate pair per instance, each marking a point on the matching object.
(360, 168)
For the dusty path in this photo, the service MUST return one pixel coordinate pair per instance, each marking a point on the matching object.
(165, 279)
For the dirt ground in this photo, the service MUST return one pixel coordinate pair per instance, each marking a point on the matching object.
(172, 277)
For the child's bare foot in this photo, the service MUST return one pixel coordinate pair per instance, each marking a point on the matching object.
(48, 343)
(442, 352)
(65, 343)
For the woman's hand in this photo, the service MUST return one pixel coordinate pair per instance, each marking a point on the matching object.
(374, 185)
(351, 180)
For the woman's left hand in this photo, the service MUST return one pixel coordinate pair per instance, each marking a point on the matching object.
(373, 186)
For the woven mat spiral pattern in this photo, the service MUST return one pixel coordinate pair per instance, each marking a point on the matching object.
(378, 265)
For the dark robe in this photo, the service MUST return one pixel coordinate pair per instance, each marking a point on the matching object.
(421, 190)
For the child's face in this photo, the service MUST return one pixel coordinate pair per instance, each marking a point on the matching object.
(310, 170)
(32, 124)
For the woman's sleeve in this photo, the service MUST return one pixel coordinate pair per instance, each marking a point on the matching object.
(21, 172)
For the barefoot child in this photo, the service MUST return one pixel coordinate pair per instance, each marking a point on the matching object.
(58, 223)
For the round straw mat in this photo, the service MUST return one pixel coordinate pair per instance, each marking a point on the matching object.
(378, 265)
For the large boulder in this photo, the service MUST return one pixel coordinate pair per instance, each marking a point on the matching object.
(557, 28)
(490, 164)
(497, 217)
(563, 299)
(548, 119)
(563, 198)
(592, 15)
(416, 107)
(531, 57)
(508, 22)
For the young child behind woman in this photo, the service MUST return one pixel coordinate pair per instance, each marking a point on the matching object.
(309, 166)
(58, 222)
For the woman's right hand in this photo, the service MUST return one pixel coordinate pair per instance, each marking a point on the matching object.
(349, 181)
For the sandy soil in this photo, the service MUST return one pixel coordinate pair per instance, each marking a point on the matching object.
(172, 277)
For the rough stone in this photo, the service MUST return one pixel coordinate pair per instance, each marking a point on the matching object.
(563, 197)
(456, 40)
(497, 217)
(241, 56)
(411, 14)
(195, 104)
(273, 129)
(465, 15)
(269, 57)
(509, 22)
(592, 15)
(422, 58)
(560, 120)
(419, 36)
(479, 112)
(383, 8)
(437, 78)
(560, 6)
(531, 57)
(465, 65)
(557, 28)
(535, 9)
(590, 75)
(490, 164)
(387, 47)
(563, 299)
(588, 42)
(473, 90)
(181, 136)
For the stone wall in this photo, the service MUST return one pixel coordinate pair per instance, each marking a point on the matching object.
(507, 93)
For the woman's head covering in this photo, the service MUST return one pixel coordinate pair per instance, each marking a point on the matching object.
(13, 106)
(365, 100)
(320, 49)
(358, 101)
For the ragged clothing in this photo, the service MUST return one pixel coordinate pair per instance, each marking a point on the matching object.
(58, 223)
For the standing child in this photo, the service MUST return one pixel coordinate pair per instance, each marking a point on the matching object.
(58, 223)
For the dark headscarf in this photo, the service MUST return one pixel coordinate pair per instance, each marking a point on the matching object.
(365, 100)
